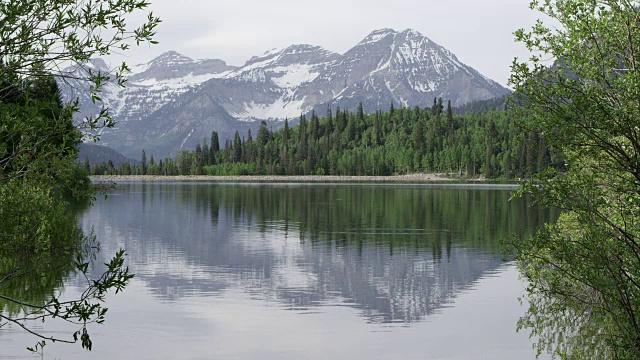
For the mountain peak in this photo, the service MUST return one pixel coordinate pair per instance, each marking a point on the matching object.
(269, 54)
(291, 49)
(172, 57)
(298, 53)
(377, 35)
(301, 48)
(412, 32)
(98, 64)
(406, 34)
(414, 35)
(383, 31)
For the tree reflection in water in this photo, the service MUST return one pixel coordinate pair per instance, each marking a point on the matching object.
(397, 252)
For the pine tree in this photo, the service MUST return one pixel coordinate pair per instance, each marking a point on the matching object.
(206, 154)
(249, 144)
(315, 126)
(303, 146)
(215, 142)
(449, 119)
(378, 128)
(263, 134)
(360, 113)
(507, 165)
(215, 148)
(329, 127)
(237, 147)
(143, 162)
(351, 129)
(198, 160)
(228, 151)
(284, 154)
(57, 126)
(418, 138)
(286, 131)
(152, 166)
(492, 133)
(162, 170)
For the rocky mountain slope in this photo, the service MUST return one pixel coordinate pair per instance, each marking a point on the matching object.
(173, 101)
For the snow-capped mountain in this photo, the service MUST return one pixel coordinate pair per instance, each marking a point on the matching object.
(148, 86)
(405, 68)
(279, 74)
(161, 81)
(173, 101)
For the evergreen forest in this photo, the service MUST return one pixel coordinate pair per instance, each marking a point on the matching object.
(487, 142)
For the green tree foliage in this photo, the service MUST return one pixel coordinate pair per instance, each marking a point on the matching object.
(399, 142)
(40, 243)
(37, 35)
(583, 271)
(492, 134)
(36, 131)
(248, 151)
(237, 148)
(143, 163)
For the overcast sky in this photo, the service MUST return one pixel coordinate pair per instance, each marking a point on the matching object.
(480, 33)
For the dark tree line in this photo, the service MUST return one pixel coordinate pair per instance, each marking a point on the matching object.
(399, 141)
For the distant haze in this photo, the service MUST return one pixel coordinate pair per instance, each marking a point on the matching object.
(480, 33)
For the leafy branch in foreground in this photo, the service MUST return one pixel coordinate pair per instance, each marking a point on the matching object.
(87, 308)
(39, 237)
(584, 271)
(41, 246)
(48, 35)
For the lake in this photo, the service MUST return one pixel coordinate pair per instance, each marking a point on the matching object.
(306, 271)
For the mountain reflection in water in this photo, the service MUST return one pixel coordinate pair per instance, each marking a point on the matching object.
(397, 253)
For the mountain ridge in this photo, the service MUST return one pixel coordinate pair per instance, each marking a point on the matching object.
(187, 96)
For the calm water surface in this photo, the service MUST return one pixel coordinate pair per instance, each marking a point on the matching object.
(306, 271)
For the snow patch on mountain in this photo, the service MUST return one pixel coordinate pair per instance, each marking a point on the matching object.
(282, 108)
(178, 84)
(254, 75)
(185, 139)
(424, 87)
(294, 75)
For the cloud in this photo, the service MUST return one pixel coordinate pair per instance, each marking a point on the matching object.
(478, 32)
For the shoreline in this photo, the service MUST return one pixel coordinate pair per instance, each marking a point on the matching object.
(287, 178)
